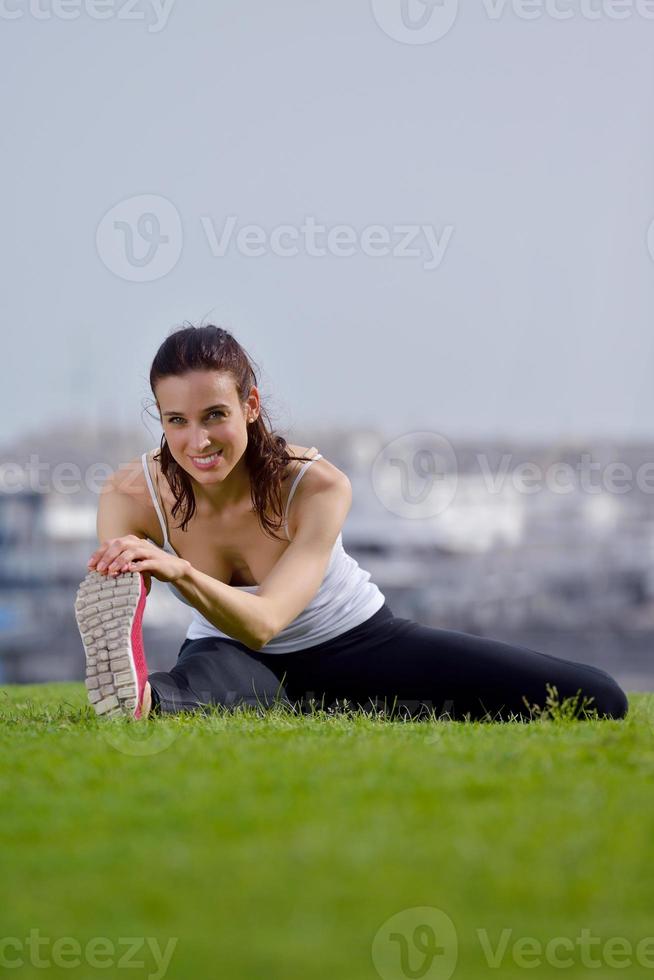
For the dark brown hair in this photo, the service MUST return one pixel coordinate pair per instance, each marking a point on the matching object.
(214, 349)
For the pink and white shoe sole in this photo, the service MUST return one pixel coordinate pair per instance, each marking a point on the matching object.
(109, 613)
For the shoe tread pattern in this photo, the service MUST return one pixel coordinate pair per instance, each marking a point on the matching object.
(105, 608)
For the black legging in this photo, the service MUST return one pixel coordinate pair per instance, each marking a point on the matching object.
(386, 663)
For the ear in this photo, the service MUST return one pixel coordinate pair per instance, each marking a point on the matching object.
(253, 406)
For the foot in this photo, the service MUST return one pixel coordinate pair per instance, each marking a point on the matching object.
(109, 612)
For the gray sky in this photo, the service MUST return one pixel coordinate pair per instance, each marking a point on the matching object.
(525, 146)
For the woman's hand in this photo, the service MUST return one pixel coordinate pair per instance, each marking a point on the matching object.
(133, 554)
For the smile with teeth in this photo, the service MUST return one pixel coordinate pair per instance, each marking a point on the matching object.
(206, 460)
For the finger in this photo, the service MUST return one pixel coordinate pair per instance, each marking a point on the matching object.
(120, 563)
(123, 551)
(106, 558)
(141, 564)
(114, 561)
(96, 556)
(105, 565)
(118, 557)
(118, 566)
(112, 550)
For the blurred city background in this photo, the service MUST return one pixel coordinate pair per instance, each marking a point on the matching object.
(439, 220)
(566, 567)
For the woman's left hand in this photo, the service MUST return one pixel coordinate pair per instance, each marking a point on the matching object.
(133, 554)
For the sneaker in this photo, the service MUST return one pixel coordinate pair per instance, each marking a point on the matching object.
(109, 612)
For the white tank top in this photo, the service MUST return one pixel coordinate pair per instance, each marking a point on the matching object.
(346, 597)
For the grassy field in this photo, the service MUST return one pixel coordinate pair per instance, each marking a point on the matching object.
(323, 845)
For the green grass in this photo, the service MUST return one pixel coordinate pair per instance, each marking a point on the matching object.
(280, 845)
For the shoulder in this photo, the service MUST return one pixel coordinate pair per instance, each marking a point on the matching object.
(320, 474)
(127, 484)
(123, 505)
(323, 495)
(129, 478)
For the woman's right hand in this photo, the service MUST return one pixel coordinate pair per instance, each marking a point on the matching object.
(133, 554)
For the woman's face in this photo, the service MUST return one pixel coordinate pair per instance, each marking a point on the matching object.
(201, 417)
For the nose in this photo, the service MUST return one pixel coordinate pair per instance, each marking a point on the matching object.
(199, 441)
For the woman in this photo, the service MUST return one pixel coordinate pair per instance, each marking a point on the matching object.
(286, 618)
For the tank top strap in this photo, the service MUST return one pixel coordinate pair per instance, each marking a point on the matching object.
(305, 466)
(155, 501)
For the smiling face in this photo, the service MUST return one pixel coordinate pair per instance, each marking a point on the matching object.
(201, 416)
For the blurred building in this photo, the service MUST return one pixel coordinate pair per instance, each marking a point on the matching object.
(567, 573)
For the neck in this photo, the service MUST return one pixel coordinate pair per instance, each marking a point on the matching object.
(230, 493)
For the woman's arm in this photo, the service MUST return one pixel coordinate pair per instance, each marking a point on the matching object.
(236, 613)
(239, 614)
(119, 514)
(254, 619)
(321, 506)
(321, 503)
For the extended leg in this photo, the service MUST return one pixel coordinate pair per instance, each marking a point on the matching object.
(213, 671)
(448, 671)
